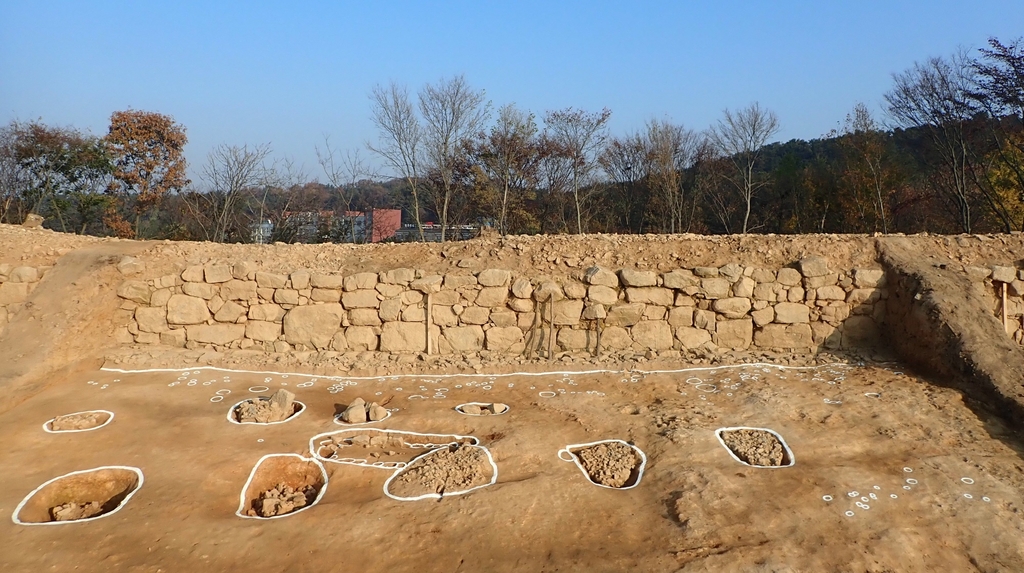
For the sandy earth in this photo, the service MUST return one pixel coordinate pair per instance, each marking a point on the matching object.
(695, 509)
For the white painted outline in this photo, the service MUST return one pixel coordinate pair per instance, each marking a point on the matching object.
(466, 375)
(46, 424)
(789, 452)
(545, 394)
(575, 459)
(501, 413)
(252, 474)
(314, 446)
(231, 418)
(494, 477)
(337, 420)
(138, 486)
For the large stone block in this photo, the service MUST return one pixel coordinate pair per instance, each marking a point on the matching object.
(427, 284)
(364, 337)
(220, 334)
(494, 278)
(600, 276)
(999, 274)
(734, 307)
(859, 331)
(650, 295)
(680, 316)
(868, 278)
(235, 289)
(763, 316)
(692, 338)
(229, 312)
(313, 325)
(360, 281)
(390, 310)
(813, 266)
(360, 299)
(401, 276)
(744, 287)
(184, 309)
(151, 319)
(403, 337)
(789, 277)
(715, 287)
(503, 339)
(475, 315)
(492, 296)
(615, 338)
(830, 293)
(568, 312)
(574, 290)
(603, 294)
(522, 288)
(861, 296)
(652, 334)
(792, 313)
(625, 314)
(465, 338)
(135, 291)
(262, 331)
(300, 280)
(735, 334)
(364, 317)
(325, 295)
(635, 278)
(318, 280)
(215, 274)
(193, 274)
(270, 280)
(267, 312)
(679, 279)
(572, 339)
(201, 290)
(784, 336)
(23, 275)
(443, 315)
(244, 270)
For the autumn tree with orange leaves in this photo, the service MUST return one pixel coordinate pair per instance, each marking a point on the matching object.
(146, 149)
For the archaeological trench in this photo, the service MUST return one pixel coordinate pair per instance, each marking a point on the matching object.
(600, 403)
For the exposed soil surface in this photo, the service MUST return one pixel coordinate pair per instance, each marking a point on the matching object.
(756, 447)
(449, 469)
(82, 421)
(612, 464)
(80, 496)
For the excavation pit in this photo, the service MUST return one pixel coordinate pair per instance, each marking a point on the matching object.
(383, 449)
(79, 422)
(451, 470)
(756, 447)
(281, 485)
(482, 409)
(613, 464)
(79, 496)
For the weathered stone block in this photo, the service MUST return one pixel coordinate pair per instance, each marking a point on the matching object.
(325, 295)
(615, 338)
(402, 337)
(262, 331)
(868, 278)
(267, 312)
(744, 287)
(692, 338)
(788, 277)
(363, 337)
(680, 316)
(763, 316)
(175, 338)
(313, 325)
(492, 296)
(135, 291)
(600, 276)
(792, 313)
(830, 293)
(735, 334)
(734, 307)
(220, 334)
(360, 281)
(193, 274)
(184, 309)
(360, 299)
(572, 339)
(475, 315)
(522, 288)
(151, 319)
(270, 280)
(784, 336)
(679, 279)
(217, 274)
(574, 290)
(23, 275)
(602, 294)
(652, 334)
(465, 338)
(398, 276)
(636, 278)
(503, 339)
(229, 312)
(568, 312)
(650, 295)
(427, 284)
(364, 317)
(715, 287)
(390, 309)
(999, 274)
(813, 266)
(235, 289)
(494, 278)
(300, 280)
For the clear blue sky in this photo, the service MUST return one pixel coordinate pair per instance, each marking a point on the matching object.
(286, 73)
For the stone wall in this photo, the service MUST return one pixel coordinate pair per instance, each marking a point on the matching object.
(991, 281)
(804, 306)
(16, 283)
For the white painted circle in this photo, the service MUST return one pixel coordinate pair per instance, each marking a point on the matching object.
(908, 470)
(906, 487)
(968, 496)
(967, 480)
(223, 392)
(258, 388)
(894, 496)
(849, 514)
(546, 394)
(986, 499)
(872, 394)
(826, 497)
(216, 399)
(912, 481)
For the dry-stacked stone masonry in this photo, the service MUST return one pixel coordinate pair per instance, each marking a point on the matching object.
(806, 306)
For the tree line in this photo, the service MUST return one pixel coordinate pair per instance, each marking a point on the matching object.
(947, 156)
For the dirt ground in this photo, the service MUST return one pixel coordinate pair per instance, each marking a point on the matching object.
(891, 473)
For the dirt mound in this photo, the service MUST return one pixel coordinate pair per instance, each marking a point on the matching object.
(73, 510)
(277, 408)
(755, 447)
(282, 499)
(79, 421)
(612, 464)
(457, 467)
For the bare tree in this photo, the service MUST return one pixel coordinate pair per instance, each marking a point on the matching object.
(936, 95)
(509, 155)
(401, 138)
(625, 161)
(739, 137)
(581, 135)
(671, 150)
(229, 172)
(343, 171)
(452, 112)
(866, 151)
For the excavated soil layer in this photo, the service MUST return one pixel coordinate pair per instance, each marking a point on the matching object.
(453, 468)
(79, 421)
(80, 496)
(756, 447)
(613, 464)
